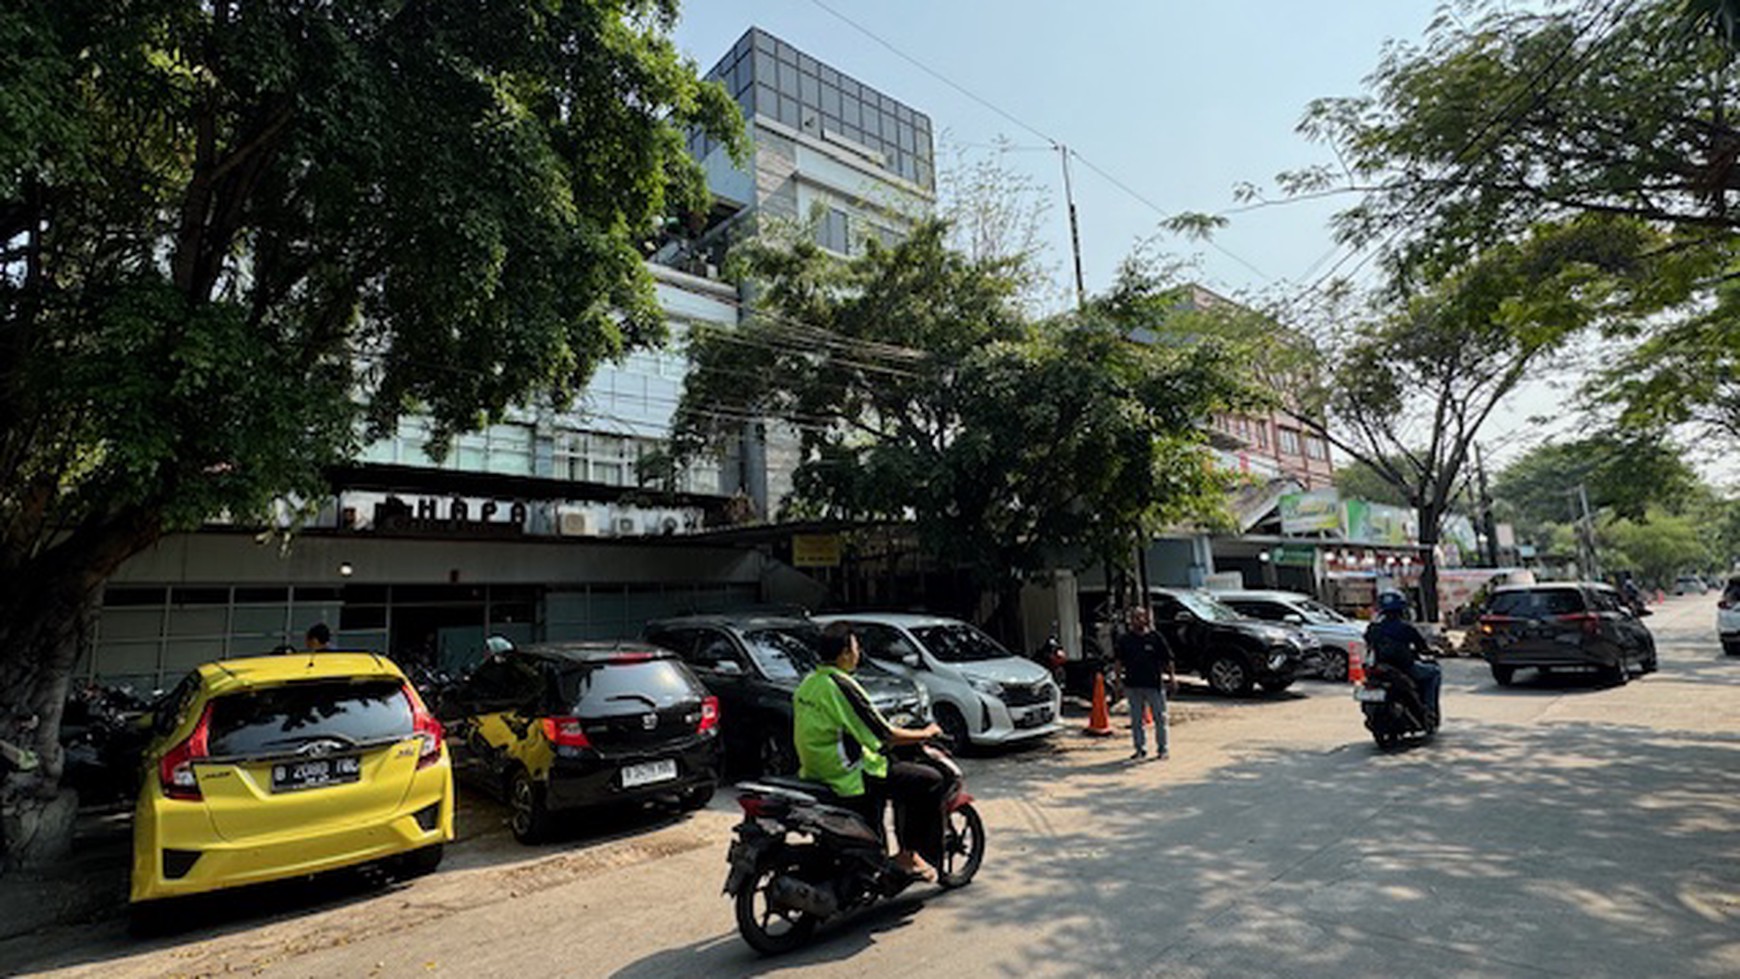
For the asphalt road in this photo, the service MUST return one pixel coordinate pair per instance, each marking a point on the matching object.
(1554, 828)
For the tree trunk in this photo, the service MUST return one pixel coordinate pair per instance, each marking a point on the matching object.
(45, 616)
(1429, 519)
(39, 644)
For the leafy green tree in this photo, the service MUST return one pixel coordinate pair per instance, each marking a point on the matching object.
(1624, 474)
(234, 232)
(1656, 548)
(1517, 114)
(1360, 481)
(1407, 394)
(924, 394)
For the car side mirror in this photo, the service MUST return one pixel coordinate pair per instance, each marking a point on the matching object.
(727, 667)
(913, 660)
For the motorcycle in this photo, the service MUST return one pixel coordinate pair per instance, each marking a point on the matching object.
(784, 887)
(102, 743)
(1393, 709)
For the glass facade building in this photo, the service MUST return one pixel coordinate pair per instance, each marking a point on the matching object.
(770, 78)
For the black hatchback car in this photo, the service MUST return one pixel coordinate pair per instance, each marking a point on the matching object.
(754, 662)
(1574, 626)
(564, 726)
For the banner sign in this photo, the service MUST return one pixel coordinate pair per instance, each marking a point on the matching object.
(1379, 523)
(1318, 511)
(815, 550)
(1296, 556)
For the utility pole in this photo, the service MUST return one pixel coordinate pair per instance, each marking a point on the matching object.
(1081, 306)
(1074, 230)
(1589, 533)
(1586, 556)
(1488, 525)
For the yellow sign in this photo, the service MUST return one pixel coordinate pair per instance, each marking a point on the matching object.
(815, 550)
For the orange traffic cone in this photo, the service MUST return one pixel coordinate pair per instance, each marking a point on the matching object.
(1355, 667)
(1100, 719)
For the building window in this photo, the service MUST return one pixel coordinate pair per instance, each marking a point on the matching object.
(1262, 428)
(1316, 448)
(834, 232)
(1289, 442)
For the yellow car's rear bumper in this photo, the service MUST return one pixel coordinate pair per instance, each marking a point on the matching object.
(177, 852)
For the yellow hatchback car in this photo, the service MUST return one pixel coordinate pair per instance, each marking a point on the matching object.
(272, 767)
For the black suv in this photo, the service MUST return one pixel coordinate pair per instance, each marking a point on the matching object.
(1232, 652)
(753, 663)
(562, 726)
(1581, 627)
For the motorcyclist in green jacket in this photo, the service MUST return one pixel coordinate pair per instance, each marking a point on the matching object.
(840, 737)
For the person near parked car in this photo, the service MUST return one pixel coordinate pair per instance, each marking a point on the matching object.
(1395, 642)
(1147, 664)
(840, 737)
(318, 639)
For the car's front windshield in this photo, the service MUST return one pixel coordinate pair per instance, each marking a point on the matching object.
(959, 643)
(783, 653)
(1206, 608)
(1318, 612)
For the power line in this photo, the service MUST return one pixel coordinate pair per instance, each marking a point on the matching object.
(1399, 223)
(1034, 130)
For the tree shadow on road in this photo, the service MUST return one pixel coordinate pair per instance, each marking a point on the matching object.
(1573, 849)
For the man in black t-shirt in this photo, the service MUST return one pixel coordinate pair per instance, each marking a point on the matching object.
(1147, 663)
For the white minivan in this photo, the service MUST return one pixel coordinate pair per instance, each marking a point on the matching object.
(980, 693)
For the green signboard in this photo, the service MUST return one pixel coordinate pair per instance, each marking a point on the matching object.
(1296, 556)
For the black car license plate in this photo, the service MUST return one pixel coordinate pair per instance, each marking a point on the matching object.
(294, 776)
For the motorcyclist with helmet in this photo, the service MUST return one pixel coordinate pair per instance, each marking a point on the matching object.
(1396, 643)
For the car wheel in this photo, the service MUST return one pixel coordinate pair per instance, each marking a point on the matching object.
(1230, 675)
(777, 755)
(954, 727)
(1503, 675)
(529, 816)
(1335, 670)
(419, 863)
(1616, 674)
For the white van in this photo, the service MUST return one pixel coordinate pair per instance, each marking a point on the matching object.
(980, 693)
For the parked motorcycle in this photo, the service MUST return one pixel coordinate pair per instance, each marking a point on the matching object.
(102, 742)
(784, 887)
(1393, 709)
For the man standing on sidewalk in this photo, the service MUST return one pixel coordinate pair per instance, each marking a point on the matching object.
(1147, 662)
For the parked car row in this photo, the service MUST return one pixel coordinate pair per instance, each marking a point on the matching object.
(270, 767)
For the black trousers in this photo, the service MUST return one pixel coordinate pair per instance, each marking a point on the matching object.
(916, 791)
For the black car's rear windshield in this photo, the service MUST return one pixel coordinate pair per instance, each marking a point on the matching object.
(285, 718)
(1537, 603)
(959, 643)
(604, 687)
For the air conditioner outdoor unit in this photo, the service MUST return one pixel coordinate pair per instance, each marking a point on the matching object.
(575, 523)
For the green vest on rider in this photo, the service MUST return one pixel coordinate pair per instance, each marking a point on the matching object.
(838, 733)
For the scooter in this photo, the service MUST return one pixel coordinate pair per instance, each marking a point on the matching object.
(1392, 705)
(801, 858)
